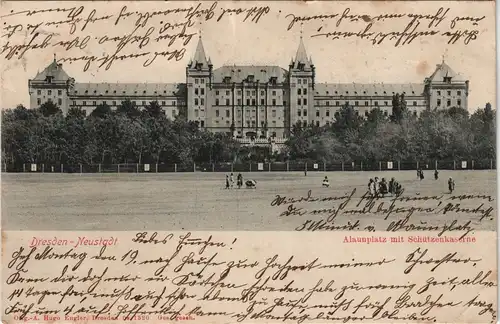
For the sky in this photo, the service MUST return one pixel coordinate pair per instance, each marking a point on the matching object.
(267, 42)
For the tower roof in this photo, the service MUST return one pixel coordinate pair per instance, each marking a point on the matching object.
(301, 56)
(199, 55)
(54, 70)
(442, 71)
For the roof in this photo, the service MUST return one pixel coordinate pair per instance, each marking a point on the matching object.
(199, 56)
(54, 70)
(239, 73)
(130, 89)
(301, 56)
(370, 89)
(442, 71)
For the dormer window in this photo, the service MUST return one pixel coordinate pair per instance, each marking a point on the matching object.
(302, 66)
(273, 80)
(447, 79)
(227, 79)
(199, 66)
(49, 78)
(250, 78)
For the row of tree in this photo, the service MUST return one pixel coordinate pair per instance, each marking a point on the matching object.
(131, 135)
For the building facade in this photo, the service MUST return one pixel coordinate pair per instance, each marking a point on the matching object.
(258, 102)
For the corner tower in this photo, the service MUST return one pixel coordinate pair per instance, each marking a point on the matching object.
(301, 80)
(52, 84)
(199, 85)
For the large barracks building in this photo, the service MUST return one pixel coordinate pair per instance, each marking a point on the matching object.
(259, 102)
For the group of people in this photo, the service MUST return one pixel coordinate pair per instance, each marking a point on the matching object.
(382, 187)
(239, 181)
(451, 182)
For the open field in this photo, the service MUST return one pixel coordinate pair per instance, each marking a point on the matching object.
(197, 201)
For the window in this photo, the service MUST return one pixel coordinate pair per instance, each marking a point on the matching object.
(317, 113)
(216, 102)
(202, 101)
(439, 102)
(299, 102)
(49, 92)
(337, 103)
(114, 103)
(228, 113)
(248, 93)
(459, 102)
(162, 103)
(262, 101)
(59, 92)
(253, 92)
(439, 93)
(305, 91)
(305, 113)
(385, 103)
(143, 103)
(217, 92)
(305, 101)
(305, 123)
(228, 92)
(227, 102)
(414, 103)
(262, 93)
(202, 123)
(376, 103)
(239, 101)
(299, 91)
(449, 93)
(217, 113)
(459, 93)
(202, 91)
(196, 91)
(366, 103)
(59, 101)
(356, 103)
(196, 113)
(284, 103)
(274, 102)
(328, 113)
(253, 102)
(366, 113)
(173, 103)
(74, 103)
(299, 81)
(239, 92)
(104, 102)
(328, 103)
(448, 102)
(39, 101)
(94, 103)
(84, 103)
(202, 82)
(385, 112)
(273, 113)
(274, 92)
(39, 92)
(196, 101)
(248, 102)
(299, 113)
(305, 81)
(196, 81)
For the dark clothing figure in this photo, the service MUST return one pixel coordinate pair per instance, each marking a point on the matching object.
(451, 185)
(227, 181)
(383, 187)
(239, 180)
(418, 174)
(391, 186)
(421, 174)
(436, 174)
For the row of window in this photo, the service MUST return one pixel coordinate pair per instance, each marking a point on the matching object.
(114, 92)
(302, 92)
(248, 93)
(249, 102)
(459, 93)
(113, 103)
(228, 113)
(49, 92)
(197, 81)
(39, 101)
(448, 102)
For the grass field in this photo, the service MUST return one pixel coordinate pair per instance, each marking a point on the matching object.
(197, 201)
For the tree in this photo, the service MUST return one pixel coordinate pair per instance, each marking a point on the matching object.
(129, 109)
(102, 111)
(49, 108)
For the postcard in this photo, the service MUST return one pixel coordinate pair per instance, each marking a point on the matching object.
(248, 161)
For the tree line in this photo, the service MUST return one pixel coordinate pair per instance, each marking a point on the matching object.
(131, 135)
